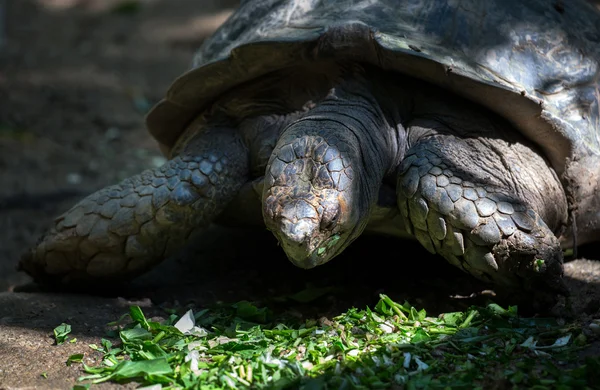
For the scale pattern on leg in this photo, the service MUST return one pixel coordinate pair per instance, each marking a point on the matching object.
(476, 227)
(122, 230)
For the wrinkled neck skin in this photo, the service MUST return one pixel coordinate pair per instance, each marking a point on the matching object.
(324, 175)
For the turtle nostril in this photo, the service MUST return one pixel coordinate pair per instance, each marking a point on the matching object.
(330, 219)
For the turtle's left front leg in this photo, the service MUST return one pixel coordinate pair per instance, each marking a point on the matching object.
(122, 230)
(489, 205)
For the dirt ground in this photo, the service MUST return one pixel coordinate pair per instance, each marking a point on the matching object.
(76, 78)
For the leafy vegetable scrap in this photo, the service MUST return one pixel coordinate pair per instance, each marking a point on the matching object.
(393, 344)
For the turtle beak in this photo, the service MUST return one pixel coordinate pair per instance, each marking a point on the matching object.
(298, 232)
(297, 243)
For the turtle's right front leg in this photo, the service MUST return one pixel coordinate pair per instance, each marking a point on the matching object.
(122, 230)
(489, 205)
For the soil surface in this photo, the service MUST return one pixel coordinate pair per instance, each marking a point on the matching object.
(76, 78)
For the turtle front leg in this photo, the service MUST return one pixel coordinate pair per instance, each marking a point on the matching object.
(489, 206)
(122, 230)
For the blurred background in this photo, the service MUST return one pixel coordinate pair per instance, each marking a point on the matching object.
(76, 79)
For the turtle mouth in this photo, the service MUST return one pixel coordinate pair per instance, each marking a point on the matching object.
(307, 240)
(326, 251)
(306, 258)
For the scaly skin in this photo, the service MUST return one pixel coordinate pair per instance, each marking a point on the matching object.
(122, 230)
(469, 187)
(482, 225)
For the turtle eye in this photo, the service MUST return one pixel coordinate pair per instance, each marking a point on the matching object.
(330, 219)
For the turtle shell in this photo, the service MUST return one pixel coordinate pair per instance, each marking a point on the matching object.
(535, 62)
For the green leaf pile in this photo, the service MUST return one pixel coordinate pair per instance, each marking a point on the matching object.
(391, 345)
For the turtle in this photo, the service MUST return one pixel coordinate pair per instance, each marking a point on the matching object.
(472, 127)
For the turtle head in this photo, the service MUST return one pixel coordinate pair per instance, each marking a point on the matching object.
(313, 198)
(312, 226)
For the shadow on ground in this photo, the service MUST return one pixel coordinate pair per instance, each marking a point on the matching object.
(229, 265)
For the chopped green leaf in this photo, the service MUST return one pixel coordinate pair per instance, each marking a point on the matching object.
(138, 316)
(106, 344)
(135, 334)
(61, 332)
(136, 369)
(77, 358)
(248, 311)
